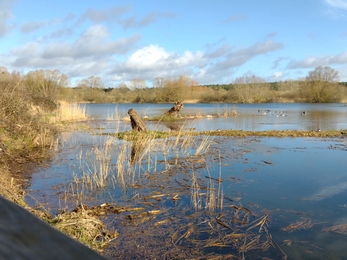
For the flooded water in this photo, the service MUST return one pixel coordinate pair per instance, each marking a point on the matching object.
(255, 117)
(208, 197)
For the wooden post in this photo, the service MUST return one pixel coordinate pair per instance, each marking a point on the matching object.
(175, 109)
(137, 123)
(24, 236)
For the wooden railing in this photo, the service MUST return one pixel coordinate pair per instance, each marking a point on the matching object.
(24, 236)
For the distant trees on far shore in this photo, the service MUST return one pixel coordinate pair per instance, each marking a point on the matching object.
(320, 86)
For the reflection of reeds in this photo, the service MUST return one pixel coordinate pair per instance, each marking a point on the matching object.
(195, 200)
(113, 162)
(114, 116)
(211, 196)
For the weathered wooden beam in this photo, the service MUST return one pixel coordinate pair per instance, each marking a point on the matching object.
(24, 236)
(137, 123)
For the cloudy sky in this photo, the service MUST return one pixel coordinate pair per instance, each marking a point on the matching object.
(210, 41)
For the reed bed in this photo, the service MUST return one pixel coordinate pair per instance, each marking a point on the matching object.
(165, 170)
(119, 163)
(69, 112)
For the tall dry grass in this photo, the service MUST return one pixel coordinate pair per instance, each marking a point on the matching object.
(69, 112)
(112, 163)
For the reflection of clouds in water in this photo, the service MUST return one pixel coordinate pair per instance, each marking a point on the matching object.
(330, 191)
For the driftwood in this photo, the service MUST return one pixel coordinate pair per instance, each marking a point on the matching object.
(137, 123)
(175, 109)
(24, 236)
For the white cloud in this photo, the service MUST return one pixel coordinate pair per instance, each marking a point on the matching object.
(330, 191)
(149, 57)
(105, 15)
(338, 3)
(217, 64)
(114, 15)
(277, 74)
(90, 54)
(315, 61)
(6, 16)
(154, 61)
(242, 55)
(32, 26)
(133, 22)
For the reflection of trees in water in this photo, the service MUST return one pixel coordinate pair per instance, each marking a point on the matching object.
(312, 120)
(174, 126)
(325, 120)
(136, 151)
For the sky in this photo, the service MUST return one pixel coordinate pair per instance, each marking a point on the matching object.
(212, 42)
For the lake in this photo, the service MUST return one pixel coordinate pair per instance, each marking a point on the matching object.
(208, 197)
(255, 117)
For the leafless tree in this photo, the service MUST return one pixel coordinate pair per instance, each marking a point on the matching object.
(321, 86)
(251, 89)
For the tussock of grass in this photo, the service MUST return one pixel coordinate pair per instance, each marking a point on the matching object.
(83, 225)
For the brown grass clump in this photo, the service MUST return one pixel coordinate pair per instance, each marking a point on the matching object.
(83, 225)
(339, 229)
(10, 187)
(298, 225)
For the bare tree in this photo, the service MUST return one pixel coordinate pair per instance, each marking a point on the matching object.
(175, 89)
(251, 89)
(321, 86)
(45, 84)
(91, 82)
(138, 86)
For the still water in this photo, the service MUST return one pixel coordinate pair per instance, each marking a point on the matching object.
(255, 117)
(298, 185)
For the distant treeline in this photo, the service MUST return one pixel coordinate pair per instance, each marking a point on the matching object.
(46, 87)
(273, 85)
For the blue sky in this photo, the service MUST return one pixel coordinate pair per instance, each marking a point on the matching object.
(212, 42)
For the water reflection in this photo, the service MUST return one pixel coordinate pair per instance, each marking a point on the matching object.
(255, 117)
(303, 181)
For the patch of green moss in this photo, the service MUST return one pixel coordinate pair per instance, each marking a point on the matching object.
(132, 135)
